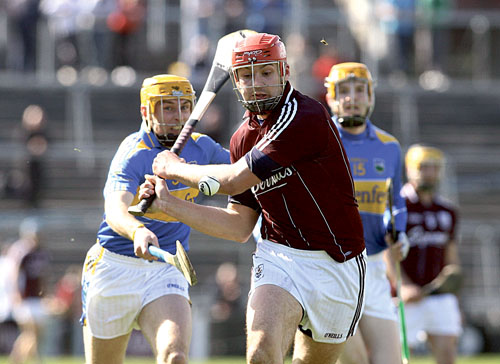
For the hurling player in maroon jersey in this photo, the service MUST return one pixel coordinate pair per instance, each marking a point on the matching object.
(289, 165)
(30, 310)
(431, 229)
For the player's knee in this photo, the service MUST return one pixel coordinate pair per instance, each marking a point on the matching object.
(447, 356)
(261, 354)
(258, 357)
(176, 357)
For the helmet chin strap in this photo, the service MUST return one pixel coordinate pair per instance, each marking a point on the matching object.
(351, 121)
(426, 187)
(167, 140)
(261, 106)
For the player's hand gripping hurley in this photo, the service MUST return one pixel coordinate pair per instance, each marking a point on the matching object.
(219, 74)
(405, 351)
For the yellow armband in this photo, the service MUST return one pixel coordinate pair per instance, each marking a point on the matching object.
(137, 227)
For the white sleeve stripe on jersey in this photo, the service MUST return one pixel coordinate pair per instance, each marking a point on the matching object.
(346, 162)
(289, 95)
(285, 107)
(280, 126)
(322, 215)
(272, 130)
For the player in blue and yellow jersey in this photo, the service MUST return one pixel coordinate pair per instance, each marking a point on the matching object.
(123, 286)
(375, 157)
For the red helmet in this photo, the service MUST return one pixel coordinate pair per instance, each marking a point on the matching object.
(258, 49)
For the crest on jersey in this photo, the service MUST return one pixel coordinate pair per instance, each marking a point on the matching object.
(379, 165)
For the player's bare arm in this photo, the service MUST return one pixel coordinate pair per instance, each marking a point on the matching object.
(234, 178)
(128, 226)
(451, 254)
(235, 222)
(410, 292)
(398, 249)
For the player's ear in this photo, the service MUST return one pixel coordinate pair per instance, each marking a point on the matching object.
(287, 71)
(143, 111)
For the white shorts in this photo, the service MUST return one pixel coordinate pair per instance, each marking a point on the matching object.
(115, 288)
(434, 315)
(378, 301)
(330, 293)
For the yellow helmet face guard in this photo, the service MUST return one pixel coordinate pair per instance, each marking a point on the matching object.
(349, 71)
(160, 88)
(418, 156)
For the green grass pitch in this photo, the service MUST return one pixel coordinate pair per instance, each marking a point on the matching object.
(482, 359)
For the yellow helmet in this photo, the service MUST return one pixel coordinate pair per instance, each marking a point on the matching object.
(419, 154)
(350, 71)
(158, 87)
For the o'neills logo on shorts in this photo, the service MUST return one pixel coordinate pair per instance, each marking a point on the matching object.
(332, 335)
(272, 181)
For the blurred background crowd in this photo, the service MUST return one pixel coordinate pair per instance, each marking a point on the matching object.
(70, 72)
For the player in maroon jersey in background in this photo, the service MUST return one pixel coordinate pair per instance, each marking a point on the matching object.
(431, 229)
(30, 311)
(289, 164)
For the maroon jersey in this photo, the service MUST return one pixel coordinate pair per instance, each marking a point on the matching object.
(307, 192)
(33, 269)
(430, 229)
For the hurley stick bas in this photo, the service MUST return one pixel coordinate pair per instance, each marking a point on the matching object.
(405, 350)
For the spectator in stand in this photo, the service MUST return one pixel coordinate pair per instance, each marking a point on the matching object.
(101, 34)
(321, 68)
(23, 18)
(25, 179)
(398, 22)
(62, 18)
(34, 138)
(124, 22)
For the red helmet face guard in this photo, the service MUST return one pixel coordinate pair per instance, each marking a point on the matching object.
(256, 50)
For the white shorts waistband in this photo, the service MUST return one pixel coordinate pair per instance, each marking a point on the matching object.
(376, 257)
(118, 258)
(270, 246)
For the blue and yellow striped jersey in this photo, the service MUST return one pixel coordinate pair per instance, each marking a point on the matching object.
(375, 156)
(131, 162)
